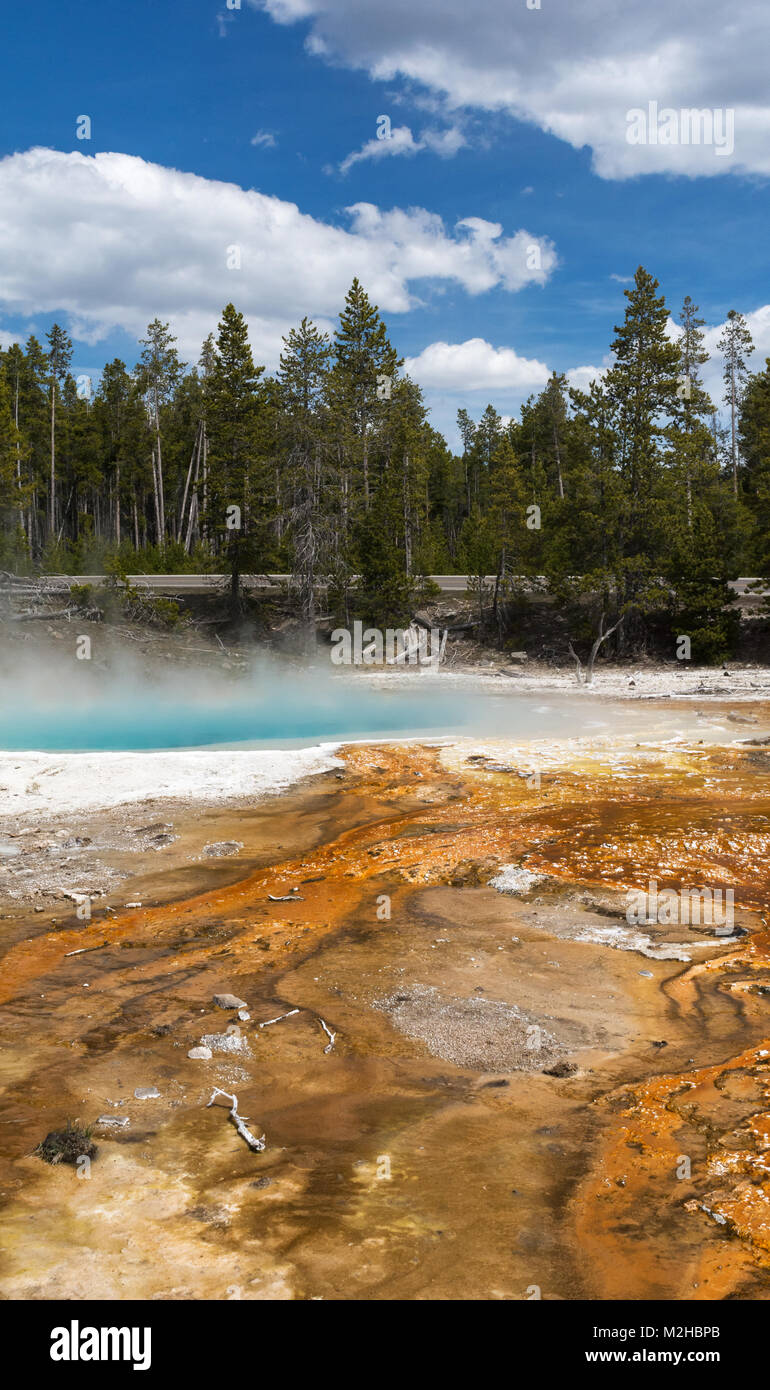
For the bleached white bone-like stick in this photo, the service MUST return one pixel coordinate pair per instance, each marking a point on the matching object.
(245, 1133)
(268, 1021)
(330, 1035)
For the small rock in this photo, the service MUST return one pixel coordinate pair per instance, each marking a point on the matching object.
(221, 848)
(561, 1069)
(229, 1001)
(146, 1093)
(244, 1015)
(114, 1121)
(200, 1054)
(648, 975)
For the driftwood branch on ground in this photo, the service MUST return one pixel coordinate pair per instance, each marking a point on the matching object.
(240, 1124)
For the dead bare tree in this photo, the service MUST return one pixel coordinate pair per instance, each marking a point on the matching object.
(586, 674)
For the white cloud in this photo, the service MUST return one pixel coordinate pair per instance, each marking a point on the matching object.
(111, 241)
(400, 141)
(264, 137)
(574, 70)
(475, 365)
(8, 339)
(444, 143)
(580, 378)
(481, 258)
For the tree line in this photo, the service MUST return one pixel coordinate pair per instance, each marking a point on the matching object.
(630, 499)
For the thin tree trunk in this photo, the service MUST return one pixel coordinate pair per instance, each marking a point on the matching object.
(558, 459)
(158, 528)
(52, 485)
(195, 448)
(732, 428)
(18, 451)
(366, 469)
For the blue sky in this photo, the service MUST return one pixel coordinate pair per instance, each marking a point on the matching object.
(516, 121)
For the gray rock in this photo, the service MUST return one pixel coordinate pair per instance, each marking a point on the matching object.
(229, 1001)
(221, 848)
(200, 1054)
(113, 1121)
(146, 1093)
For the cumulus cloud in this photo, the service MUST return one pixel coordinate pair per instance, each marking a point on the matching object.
(580, 378)
(574, 70)
(111, 241)
(475, 365)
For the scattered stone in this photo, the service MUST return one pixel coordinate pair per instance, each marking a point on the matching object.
(147, 1093)
(648, 975)
(229, 1001)
(133, 904)
(113, 1121)
(200, 1054)
(221, 848)
(244, 1015)
(561, 1069)
(661, 1043)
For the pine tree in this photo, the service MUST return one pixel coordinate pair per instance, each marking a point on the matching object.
(361, 385)
(59, 358)
(236, 501)
(754, 434)
(159, 374)
(641, 387)
(736, 345)
(11, 493)
(302, 380)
